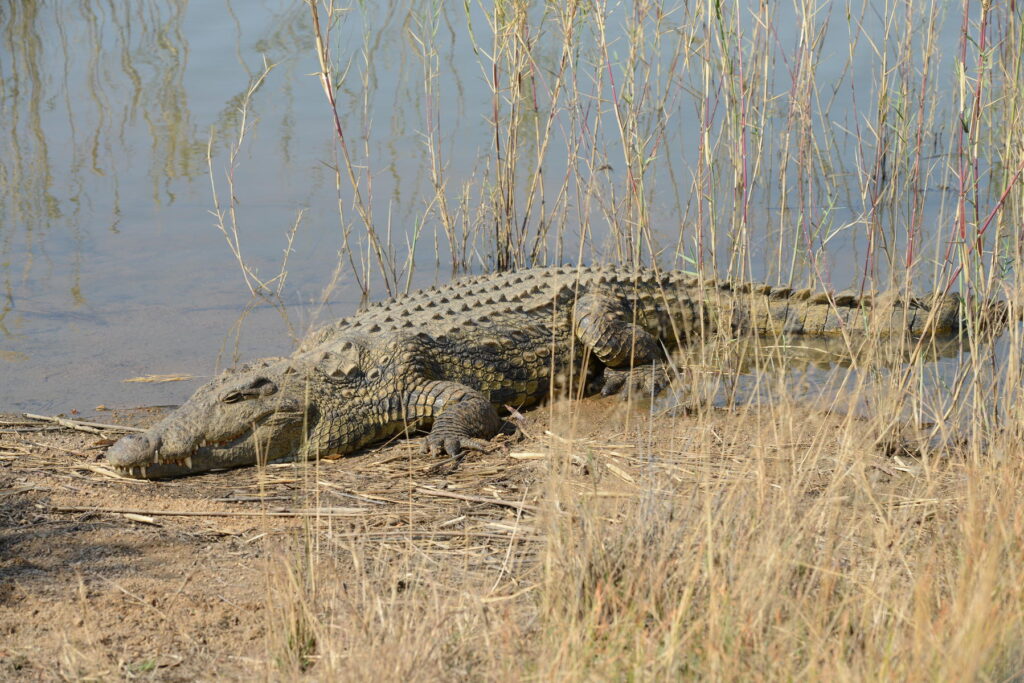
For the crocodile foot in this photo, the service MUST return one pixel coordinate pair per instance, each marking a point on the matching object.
(466, 423)
(454, 446)
(646, 381)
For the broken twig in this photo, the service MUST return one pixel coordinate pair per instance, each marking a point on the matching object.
(429, 490)
(82, 426)
(323, 512)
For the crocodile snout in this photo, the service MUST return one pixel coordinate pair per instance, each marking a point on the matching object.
(138, 455)
(134, 450)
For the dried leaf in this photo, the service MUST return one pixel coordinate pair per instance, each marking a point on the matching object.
(160, 378)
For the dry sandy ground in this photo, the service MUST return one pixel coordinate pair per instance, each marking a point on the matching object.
(98, 581)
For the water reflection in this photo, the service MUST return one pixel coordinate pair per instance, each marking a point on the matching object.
(26, 181)
(766, 142)
(99, 145)
(76, 76)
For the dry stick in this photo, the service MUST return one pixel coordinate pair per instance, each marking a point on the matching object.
(326, 80)
(477, 499)
(341, 491)
(200, 513)
(427, 534)
(96, 469)
(52, 447)
(81, 426)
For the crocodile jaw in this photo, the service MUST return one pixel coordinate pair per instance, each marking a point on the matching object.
(168, 451)
(157, 453)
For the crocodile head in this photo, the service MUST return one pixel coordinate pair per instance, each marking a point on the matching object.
(314, 403)
(254, 413)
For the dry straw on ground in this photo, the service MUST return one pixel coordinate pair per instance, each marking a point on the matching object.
(773, 541)
(869, 533)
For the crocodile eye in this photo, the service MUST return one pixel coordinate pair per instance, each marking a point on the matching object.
(373, 374)
(260, 386)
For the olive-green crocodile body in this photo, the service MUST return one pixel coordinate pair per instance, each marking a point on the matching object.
(449, 358)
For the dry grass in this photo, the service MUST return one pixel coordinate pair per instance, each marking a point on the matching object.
(783, 543)
(774, 541)
(769, 544)
(870, 534)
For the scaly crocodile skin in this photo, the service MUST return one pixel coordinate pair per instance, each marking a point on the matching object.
(447, 359)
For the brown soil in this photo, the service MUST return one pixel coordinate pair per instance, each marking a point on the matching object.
(97, 581)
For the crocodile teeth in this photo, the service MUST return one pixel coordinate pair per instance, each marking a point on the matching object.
(142, 470)
(188, 462)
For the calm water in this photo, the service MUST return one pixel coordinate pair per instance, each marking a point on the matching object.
(111, 265)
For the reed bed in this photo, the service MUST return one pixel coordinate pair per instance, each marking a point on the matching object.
(867, 531)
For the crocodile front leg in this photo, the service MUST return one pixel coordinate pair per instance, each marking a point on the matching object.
(463, 418)
(459, 417)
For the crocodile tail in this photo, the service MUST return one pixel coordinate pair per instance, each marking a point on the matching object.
(991, 315)
(998, 313)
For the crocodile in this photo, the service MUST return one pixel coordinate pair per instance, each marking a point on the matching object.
(448, 359)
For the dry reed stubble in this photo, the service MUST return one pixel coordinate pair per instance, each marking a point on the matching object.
(773, 542)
